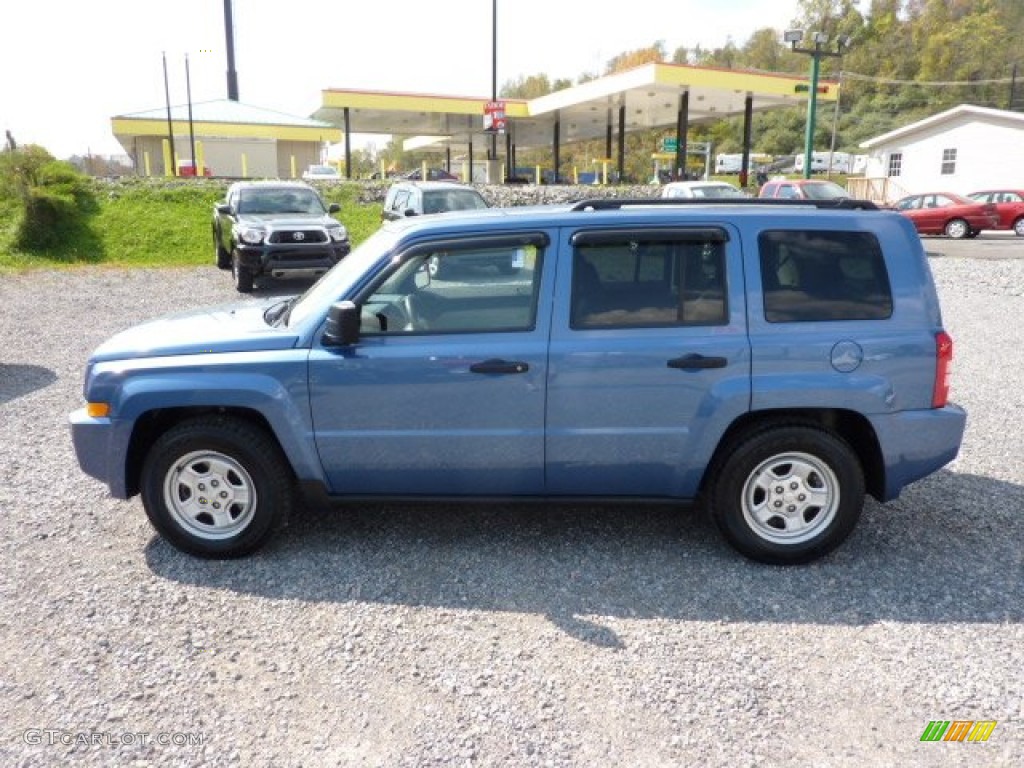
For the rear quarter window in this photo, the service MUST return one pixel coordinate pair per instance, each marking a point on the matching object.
(810, 276)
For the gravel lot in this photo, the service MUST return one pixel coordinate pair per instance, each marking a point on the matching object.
(504, 635)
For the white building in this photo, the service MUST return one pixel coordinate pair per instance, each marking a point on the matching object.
(961, 150)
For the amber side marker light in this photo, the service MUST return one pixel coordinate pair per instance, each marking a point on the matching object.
(97, 410)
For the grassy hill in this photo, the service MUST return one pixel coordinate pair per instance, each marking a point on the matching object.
(160, 222)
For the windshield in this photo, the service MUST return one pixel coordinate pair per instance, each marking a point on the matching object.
(279, 200)
(340, 279)
(825, 190)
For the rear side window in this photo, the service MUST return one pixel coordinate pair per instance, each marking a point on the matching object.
(810, 276)
(635, 280)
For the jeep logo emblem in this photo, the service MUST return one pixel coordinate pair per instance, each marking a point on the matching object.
(298, 235)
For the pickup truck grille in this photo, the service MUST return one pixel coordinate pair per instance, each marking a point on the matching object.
(297, 236)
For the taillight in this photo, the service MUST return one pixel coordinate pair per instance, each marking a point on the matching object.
(943, 362)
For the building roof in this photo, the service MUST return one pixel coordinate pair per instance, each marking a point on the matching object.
(968, 111)
(224, 118)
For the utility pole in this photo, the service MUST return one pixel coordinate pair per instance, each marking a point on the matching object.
(229, 34)
(191, 127)
(494, 72)
(170, 126)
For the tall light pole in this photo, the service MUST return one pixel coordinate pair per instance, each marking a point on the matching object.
(817, 53)
(494, 72)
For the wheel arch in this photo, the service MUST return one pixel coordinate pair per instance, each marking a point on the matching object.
(851, 426)
(150, 425)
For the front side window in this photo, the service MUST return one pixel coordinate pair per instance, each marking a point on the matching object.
(812, 276)
(674, 279)
(471, 288)
(948, 162)
(895, 163)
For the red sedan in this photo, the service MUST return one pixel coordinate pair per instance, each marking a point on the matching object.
(1009, 205)
(944, 213)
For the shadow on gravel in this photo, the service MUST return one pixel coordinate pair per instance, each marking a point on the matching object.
(948, 551)
(18, 380)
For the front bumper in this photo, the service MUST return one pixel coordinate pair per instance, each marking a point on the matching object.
(101, 450)
(275, 259)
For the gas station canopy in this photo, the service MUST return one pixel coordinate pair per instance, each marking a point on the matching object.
(653, 95)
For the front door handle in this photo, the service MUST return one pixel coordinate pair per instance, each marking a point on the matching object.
(496, 365)
(694, 362)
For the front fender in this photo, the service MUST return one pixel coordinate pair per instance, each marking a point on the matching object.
(273, 385)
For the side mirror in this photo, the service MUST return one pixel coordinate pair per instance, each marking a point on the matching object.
(410, 211)
(342, 324)
(333, 208)
(224, 208)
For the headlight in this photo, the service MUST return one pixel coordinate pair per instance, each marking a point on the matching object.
(252, 236)
(338, 234)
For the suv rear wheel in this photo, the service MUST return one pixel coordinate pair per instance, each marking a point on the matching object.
(216, 487)
(788, 494)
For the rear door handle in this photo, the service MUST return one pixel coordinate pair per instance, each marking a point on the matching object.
(693, 362)
(496, 365)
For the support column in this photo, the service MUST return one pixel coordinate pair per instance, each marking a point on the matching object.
(608, 136)
(621, 161)
(682, 133)
(748, 119)
(555, 148)
(348, 145)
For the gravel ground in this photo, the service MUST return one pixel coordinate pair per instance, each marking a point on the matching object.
(505, 635)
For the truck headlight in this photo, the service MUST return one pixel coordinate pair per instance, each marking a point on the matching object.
(252, 236)
(338, 234)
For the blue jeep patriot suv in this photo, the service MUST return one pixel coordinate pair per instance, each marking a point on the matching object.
(774, 362)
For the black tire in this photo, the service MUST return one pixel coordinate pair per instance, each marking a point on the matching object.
(1018, 227)
(243, 276)
(957, 229)
(216, 487)
(222, 257)
(787, 494)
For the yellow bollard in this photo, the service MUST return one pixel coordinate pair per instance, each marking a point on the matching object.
(145, 161)
(200, 160)
(168, 160)
(537, 175)
(423, 171)
(293, 166)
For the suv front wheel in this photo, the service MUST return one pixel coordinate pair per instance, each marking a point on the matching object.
(788, 494)
(222, 256)
(242, 275)
(216, 487)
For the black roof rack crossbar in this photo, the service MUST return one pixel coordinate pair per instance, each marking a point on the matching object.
(614, 203)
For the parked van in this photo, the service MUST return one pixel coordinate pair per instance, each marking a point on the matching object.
(733, 163)
(827, 162)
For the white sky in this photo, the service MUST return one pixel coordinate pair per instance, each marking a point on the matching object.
(68, 66)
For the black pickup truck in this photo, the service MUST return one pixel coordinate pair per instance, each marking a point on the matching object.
(276, 229)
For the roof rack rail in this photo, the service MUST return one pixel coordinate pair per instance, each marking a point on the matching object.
(614, 203)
